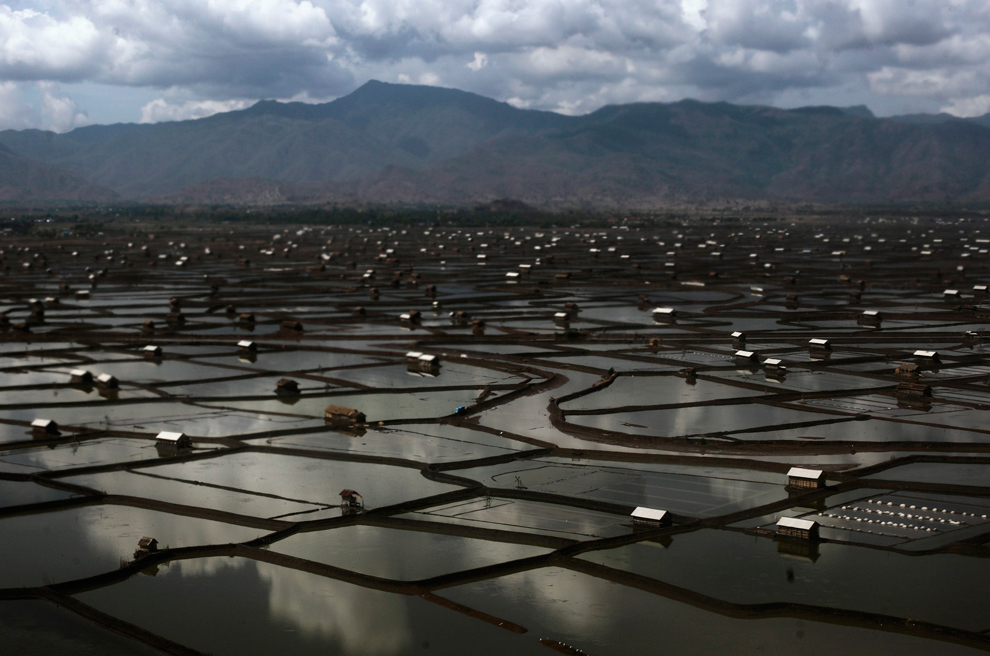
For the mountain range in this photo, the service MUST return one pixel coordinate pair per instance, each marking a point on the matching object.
(392, 143)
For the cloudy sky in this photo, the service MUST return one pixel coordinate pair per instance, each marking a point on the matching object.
(65, 63)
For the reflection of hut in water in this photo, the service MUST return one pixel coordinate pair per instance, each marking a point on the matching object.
(651, 517)
(799, 550)
(44, 428)
(913, 391)
(802, 502)
(338, 415)
(799, 478)
(792, 528)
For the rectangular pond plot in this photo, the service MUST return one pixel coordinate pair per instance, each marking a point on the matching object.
(742, 569)
(146, 484)
(800, 380)
(280, 610)
(256, 386)
(66, 545)
(421, 442)
(399, 554)
(158, 371)
(101, 451)
(300, 360)
(872, 430)
(606, 619)
(450, 373)
(701, 420)
(375, 406)
(655, 390)
(693, 495)
(309, 480)
(40, 627)
(528, 516)
(19, 493)
(938, 472)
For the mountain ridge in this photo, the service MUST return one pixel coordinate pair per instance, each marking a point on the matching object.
(394, 143)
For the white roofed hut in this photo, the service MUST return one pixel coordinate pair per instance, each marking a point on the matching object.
(747, 357)
(650, 517)
(805, 479)
(44, 427)
(797, 529)
(928, 356)
(107, 382)
(80, 377)
(247, 346)
(152, 351)
(173, 440)
(872, 318)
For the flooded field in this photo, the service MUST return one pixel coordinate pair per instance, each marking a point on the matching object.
(765, 437)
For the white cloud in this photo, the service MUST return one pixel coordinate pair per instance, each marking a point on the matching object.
(967, 107)
(159, 110)
(52, 111)
(572, 54)
(480, 61)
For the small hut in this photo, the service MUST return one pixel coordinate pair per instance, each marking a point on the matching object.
(817, 344)
(147, 545)
(931, 357)
(152, 351)
(747, 357)
(291, 326)
(738, 340)
(871, 318)
(908, 370)
(80, 377)
(247, 346)
(664, 314)
(650, 517)
(287, 386)
(339, 415)
(411, 317)
(351, 499)
(107, 382)
(44, 427)
(797, 529)
(806, 479)
(173, 440)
